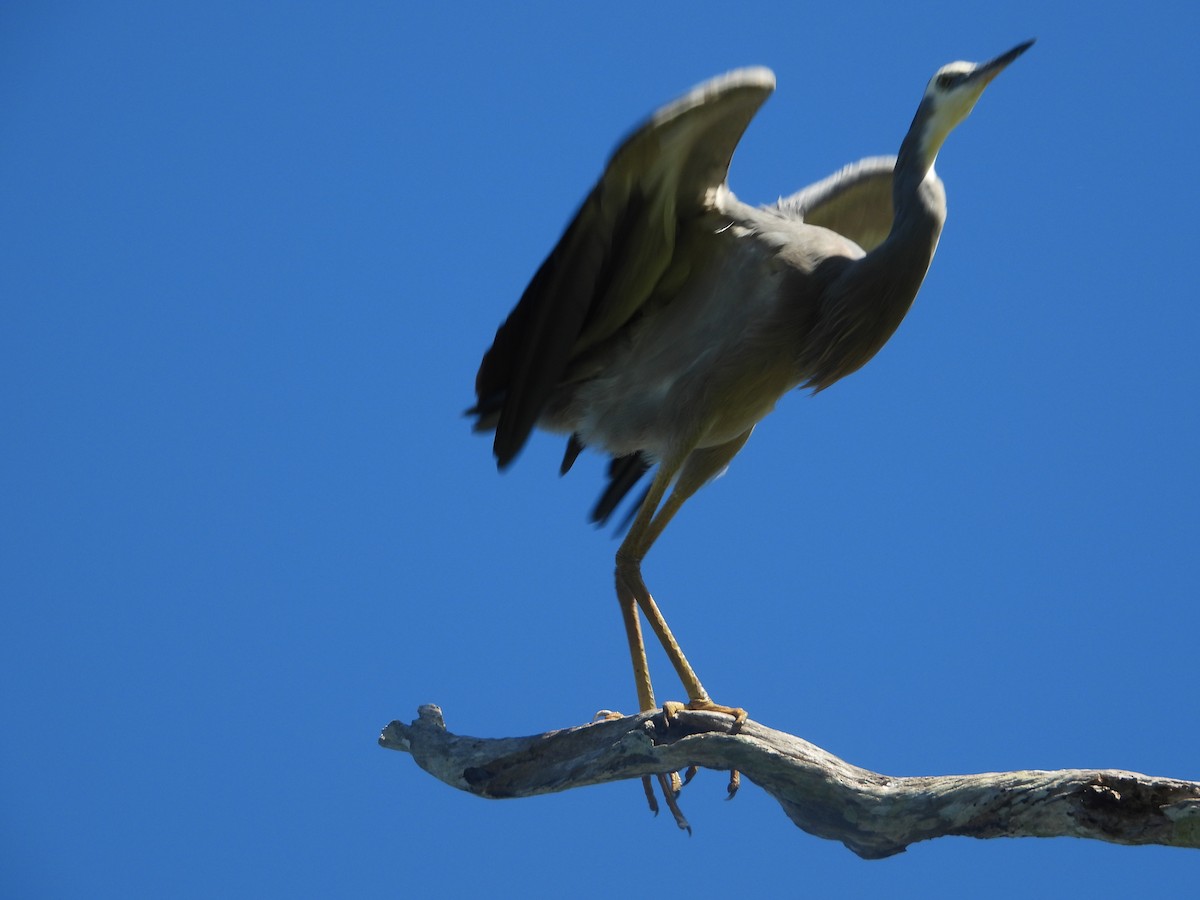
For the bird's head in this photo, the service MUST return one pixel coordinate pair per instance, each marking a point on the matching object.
(951, 95)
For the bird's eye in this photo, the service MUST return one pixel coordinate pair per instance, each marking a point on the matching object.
(946, 81)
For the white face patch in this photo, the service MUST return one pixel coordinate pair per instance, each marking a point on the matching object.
(951, 100)
(947, 76)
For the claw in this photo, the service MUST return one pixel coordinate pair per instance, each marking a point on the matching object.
(650, 798)
(670, 788)
(671, 783)
(672, 803)
(670, 709)
(675, 782)
(739, 714)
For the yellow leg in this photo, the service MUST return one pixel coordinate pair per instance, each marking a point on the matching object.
(632, 594)
(637, 648)
(695, 470)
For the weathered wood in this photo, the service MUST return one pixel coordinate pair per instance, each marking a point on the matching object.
(872, 814)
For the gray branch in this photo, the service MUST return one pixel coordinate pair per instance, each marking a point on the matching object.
(874, 815)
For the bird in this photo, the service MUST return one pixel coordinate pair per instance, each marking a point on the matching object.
(671, 317)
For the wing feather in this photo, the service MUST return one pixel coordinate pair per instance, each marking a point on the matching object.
(855, 201)
(615, 250)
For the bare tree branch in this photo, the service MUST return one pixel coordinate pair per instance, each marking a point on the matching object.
(874, 815)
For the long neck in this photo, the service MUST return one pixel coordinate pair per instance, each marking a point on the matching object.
(918, 213)
(915, 160)
(875, 292)
(918, 199)
(897, 266)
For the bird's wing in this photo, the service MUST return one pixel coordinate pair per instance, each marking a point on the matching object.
(623, 473)
(855, 201)
(615, 250)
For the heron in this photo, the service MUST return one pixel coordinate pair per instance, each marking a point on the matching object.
(671, 317)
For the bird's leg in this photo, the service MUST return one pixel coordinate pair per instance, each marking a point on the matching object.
(670, 784)
(637, 648)
(627, 596)
(630, 584)
(699, 468)
(629, 579)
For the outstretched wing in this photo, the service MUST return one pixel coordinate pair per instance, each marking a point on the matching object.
(615, 250)
(855, 201)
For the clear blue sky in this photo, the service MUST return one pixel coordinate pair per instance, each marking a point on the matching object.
(250, 257)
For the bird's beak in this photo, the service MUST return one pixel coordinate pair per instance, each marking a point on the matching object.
(990, 69)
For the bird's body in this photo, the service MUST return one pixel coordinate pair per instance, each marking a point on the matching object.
(648, 390)
(671, 317)
(678, 374)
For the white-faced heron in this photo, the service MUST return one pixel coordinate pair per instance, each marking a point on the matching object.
(671, 316)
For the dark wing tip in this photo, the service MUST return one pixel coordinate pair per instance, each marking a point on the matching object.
(623, 473)
(574, 448)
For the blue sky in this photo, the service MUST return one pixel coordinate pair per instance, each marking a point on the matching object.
(250, 257)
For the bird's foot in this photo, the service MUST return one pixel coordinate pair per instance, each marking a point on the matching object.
(672, 708)
(670, 783)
